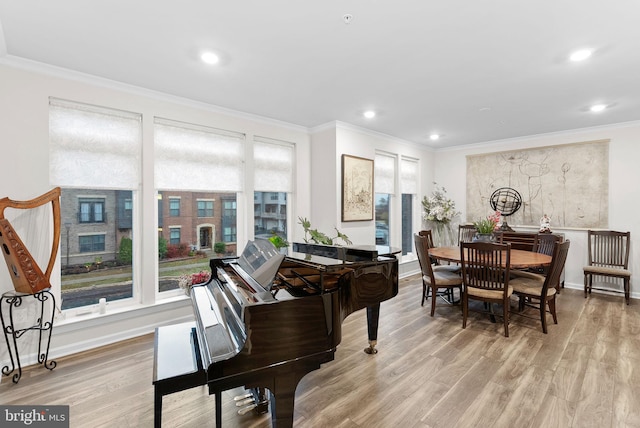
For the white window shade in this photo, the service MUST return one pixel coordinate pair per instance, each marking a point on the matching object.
(192, 157)
(273, 165)
(93, 146)
(384, 174)
(409, 176)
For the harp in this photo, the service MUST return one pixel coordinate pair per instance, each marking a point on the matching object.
(26, 274)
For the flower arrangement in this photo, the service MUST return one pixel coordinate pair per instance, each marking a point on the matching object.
(186, 281)
(489, 224)
(439, 207)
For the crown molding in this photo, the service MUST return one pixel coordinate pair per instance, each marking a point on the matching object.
(76, 76)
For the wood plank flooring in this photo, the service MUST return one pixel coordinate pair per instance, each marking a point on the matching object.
(429, 373)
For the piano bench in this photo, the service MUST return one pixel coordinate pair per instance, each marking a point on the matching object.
(176, 364)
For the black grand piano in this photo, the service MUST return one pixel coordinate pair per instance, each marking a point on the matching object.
(265, 320)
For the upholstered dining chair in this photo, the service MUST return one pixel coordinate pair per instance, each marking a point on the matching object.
(466, 232)
(541, 292)
(435, 278)
(429, 235)
(543, 243)
(485, 277)
(608, 257)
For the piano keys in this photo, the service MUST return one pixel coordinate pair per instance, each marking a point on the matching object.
(265, 321)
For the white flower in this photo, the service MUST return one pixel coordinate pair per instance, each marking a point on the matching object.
(438, 207)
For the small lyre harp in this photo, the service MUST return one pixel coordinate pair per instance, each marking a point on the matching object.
(25, 273)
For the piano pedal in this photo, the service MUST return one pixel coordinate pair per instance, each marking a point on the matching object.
(241, 403)
(242, 397)
(247, 409)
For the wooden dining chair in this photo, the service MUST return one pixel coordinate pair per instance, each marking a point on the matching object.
(608, 257)
(485, 277)
(435, 278)
(541, 292)
(543, 243)
(466, 232)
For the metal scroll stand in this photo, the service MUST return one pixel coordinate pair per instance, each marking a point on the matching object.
(11, 334)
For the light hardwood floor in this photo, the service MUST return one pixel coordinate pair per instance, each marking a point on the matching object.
(429, 373)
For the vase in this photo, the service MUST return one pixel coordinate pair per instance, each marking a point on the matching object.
(442, 234)
(484, 237)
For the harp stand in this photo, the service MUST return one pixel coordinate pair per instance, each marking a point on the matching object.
(14, 300)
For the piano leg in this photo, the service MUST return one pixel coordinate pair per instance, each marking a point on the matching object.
(218, 409)
(157, 408)
(373, 315)
(282, 399)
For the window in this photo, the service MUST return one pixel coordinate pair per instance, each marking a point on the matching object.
(407, 223)
(185, 156)
(174, 235)
(384, 181)
(273, 177)
(91, 243)
(409, 186)
(95, 159)
(270, 218)
(229, 234)
(91, 211)
(382, 218)
(174, 207)
(205, 208)
(229, 221)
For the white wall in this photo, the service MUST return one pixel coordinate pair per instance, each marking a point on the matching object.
(624, 191)
(326, 182)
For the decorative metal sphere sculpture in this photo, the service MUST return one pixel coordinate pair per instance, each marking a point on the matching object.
(506, 200)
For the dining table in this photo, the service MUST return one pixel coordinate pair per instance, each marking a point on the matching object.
(519, 259)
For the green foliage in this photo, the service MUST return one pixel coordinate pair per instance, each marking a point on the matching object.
(125, 253)
(321, 238)
(278, 241)
(162, 248)
(489, 224)
(220, 248)
(439, 207)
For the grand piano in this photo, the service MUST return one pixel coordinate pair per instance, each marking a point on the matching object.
(264, 321)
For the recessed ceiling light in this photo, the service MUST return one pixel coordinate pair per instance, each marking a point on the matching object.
(598, 107)
(209, 58)
(369, 114)
(580, 55)
(434, 137)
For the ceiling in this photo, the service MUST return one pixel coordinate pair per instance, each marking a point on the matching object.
(472, 71)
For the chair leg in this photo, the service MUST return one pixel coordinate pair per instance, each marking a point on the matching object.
(424, 292)
(505, 316)
(586, 275)
(434, 296)
(465, 309)
(552, 309)
(626, 290)
(543, 314)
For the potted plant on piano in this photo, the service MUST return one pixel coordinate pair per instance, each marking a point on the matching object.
(318, 237)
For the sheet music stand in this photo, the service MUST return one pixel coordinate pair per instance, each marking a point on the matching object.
(14, 300)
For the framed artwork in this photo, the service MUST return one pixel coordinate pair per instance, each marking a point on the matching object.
(357, 188)
(568, 183)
